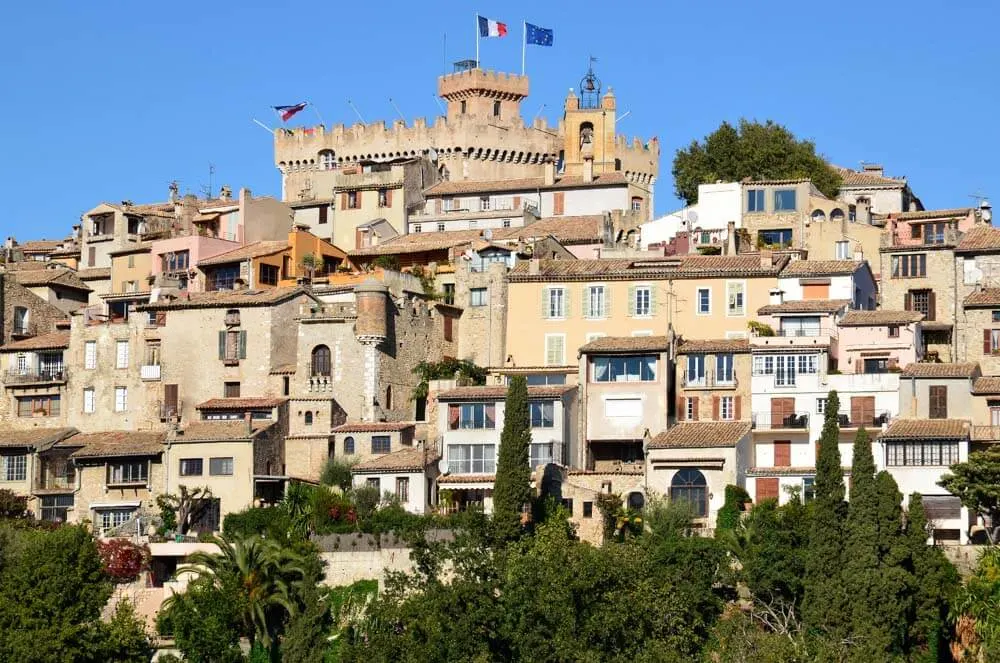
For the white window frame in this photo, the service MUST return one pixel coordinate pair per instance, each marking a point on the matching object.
(90, 355)
(562, 361)
(121, 354)
(821, 405)
(486, 297)
(689, 408)
(842, 254)
(549, 294)
(121, 399)
(727, 408)
(730, 313)
(648, 290)
(588, 293)
(593, 336)
(89, 400)
(697, 301)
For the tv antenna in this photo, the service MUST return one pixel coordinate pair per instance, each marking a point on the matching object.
(211, 177)
(979, 197)
(535, 116)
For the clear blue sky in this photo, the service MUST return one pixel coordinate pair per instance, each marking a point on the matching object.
(110, 100)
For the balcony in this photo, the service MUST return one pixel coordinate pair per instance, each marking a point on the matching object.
(320, 384)
(865, 419)
(772, 421)
(708, 381)
(35, 377)
(23, 329)
(170, 411)
(795, 338)
(56, 482)
(946, 237)
(150, 372)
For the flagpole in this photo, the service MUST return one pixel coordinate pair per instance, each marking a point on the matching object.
(524, 43)
(477, 40)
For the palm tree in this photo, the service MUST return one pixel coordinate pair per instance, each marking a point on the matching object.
(268, 575)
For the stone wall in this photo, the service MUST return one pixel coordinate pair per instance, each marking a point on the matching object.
(42, 316)
(482, 338)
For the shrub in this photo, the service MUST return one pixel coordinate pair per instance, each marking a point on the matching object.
(270, 522)
(123, 560)
(332, 512)
(336, 473)
(367, 499)
(11, 505)
(729, 514)
(387, 262)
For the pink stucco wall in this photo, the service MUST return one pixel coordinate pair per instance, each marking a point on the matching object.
(200, 248)
(855, 340)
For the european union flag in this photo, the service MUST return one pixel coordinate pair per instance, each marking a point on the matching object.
(537, 36)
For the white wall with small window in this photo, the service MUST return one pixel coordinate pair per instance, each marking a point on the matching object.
(414, 490)
(859, 287)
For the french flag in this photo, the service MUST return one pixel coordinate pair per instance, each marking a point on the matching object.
(491, 28)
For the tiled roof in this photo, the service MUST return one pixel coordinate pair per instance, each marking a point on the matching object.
(40, 245)
(110, 444)
(449, 188)
(807, 268)
(980, 238)
(240, 403)
(854, 178)
(141, 247)
(566, 229)
(467, 478)
(58, 340)
(928, 370)
(753, 182)
(253, 250)
(37, 438)
(94, 274)
(932, 214)
(856, 318)
(805, 306)
(226, 298)
(984, 297)
(675, 267)
(373, 427)
(626, 344)
(413, 460)
(701, 434)
(38, 277)
(787, 471)
(500, 392)
(987, 384)
(694, 346)
(924, 429)
(284, 369)
(207, 431)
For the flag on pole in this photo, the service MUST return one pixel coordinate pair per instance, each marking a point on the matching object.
(537, 36)
(288, 112)
(490, 28)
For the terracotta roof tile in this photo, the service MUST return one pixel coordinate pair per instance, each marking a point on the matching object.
(241, 403)
(980, 238)
(109, 444)
(208, 431)
(932, 214)
(923, 429)
(854, 178)
(37, 438)
(449, 188)
(929, 370)
(497, 392)
(467, 478)
(58, 340)
(253, 250)
(987, 384)
(694, 346)
(787, 471)
(821, 267)
(373, 427)
(701, 434)
(674, 267)
(38, 277)
(226, 298)
(141, 247)
(881, 317)
(94, 274)
(608, 344)
(752, 182)
(805, 306)
(40, 245)
(984, 297)
(413, 460)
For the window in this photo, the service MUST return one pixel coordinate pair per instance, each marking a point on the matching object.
(462, 107)
(21, 321)
(385, 198)
(38, 406)
(704, 301)
(596, 304)
(353, 200)
(876, 365)
(921, 453)
(921, 301)
(175, 261)
(843, 250)
(784, 200)
(136, 471)
(938, 405)
(121, 354)
(755, 200)
(690, 486)
(544, 379)
(417, 228)
(223, 278)
(735, 294)
(89, 405)
(320, 361)
(55, 508)
(440, 227)
(555, 349)
(449, 294)
(471, 458)
(348, 446)
(506, 223)
(636, 203)
(13, 467)
(90, 355)
(727, 409)
(628, 368)
(471, 416)
(909, 266)
(477, 296)
(820, 405)
(695, 370)
(231, 389)
(232, 345)
(691, 409)
(555, 303)
(724, 369)
(775, 239)
(191, 467)
(121, 399)
(484, 204)
(893, 331)
(542, 414)
(808, 489)
(268, 274)
(642, 301)
(111, 519)
(996, 316)
(381, 444)
(588, 509)
(541, 454)
(220, 467)
(496, 109)
(403, 489)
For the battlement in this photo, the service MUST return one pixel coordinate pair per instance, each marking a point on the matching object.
(483, 83)
(652, 146)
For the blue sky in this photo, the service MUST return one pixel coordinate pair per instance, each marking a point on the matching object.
(110, 100)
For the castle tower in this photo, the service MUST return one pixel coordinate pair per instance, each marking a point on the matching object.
(370, 330)
(589, 129)
(483, 95)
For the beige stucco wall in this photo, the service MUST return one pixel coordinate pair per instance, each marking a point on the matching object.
(93, 489)
(121, 272)
(821, 241)
(706, 394)
(660, 471)
(914, 398)
(234, 492)
(595, 395)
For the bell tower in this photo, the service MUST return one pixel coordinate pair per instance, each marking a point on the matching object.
(589, 122)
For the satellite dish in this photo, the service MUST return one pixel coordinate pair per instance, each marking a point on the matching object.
(443, 466)
(692, 216)
(488, 234)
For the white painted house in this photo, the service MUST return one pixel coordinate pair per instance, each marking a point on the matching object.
(717, 205)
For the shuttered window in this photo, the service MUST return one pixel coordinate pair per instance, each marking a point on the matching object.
(767, 489)
(938, 405)
(555, 350)
(121, 354)
(90, 355)
(782, 453)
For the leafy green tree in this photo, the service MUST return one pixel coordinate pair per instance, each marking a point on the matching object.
(729, 514)
(826, 607)
(753, 150)
(206, 621)
(124, 638)
(336, 473)
(861, 552)
(446, 369)
(975, 609)
(512, 488)
(12, 505)
(935, 581)
(977, 483)
(306, 638)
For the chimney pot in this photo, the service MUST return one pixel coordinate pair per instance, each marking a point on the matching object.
(776, 297)
(550, 172)
(534, 267)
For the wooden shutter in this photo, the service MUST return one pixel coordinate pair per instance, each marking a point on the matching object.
(781, 408)
(782, 453)
(222, 345)
(388, 198)
(170, 397)
(161, 318)
(767, 489)
(545, 303)
(987, 342)
(358, 237)
(908, 302)
(343, 200)
(681, 410)
(931, 305)
(863, 410)
(517, 202)
(631, 301)
(322, 213)
(558, 202)
(357, 200)
(715, 408)
(694, 409)
(737, 401)
(607, 302)
(243, 345)
(938, 406)
(453, 416)
(91, 256)
(816, 291)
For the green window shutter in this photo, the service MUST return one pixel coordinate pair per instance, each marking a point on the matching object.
(222, 345)
(583, 302)
(545, 303)
(566, 304)
(631, 301)
(243, 345)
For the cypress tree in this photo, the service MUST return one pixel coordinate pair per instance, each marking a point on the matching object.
(861, 538)
(933, 579)
(512, 488)
(887, 619)
(826, 608)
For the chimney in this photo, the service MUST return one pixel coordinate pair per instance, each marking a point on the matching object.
(776, 297)
(766, 259)
(986, 212)
(226, 193)
(550, 172)
(588, 169)
(174, 191)
(248, 417)
(731, 248)
(873, 169)
(534, 267)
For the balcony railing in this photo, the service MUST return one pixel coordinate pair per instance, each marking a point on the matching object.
(150, 372)
(56, 375)
(803, 333)
(170, 410)
(23, 329)
(927, 238)
(56, 482)
(771, 421)
(866, 419)
(708, 381)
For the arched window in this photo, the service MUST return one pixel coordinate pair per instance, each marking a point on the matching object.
(837, 215)
(308, 418)
(321, 361)
(348, 446)
(636, 501)
(690, 486)
(819, 216)
(586, 133)
(327, 160)
(388, 397)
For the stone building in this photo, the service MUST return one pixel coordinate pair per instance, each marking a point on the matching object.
(24, 314)
(712, 380)
(59, 286)
(871, 188)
